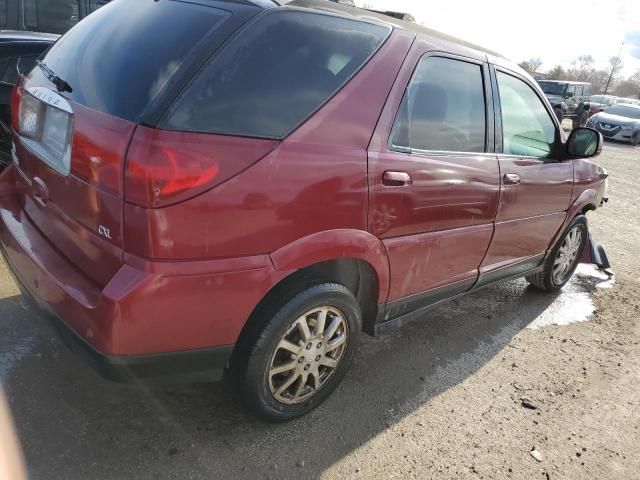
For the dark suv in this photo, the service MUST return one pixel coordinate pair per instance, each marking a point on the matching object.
(568, 99)
(50, 16)
(18, 51)
(254, 185)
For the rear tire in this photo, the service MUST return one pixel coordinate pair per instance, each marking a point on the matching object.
(581, 119)
(559, 114)
(564, 258)
(294, 364)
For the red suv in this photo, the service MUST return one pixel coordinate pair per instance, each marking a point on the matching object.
(202, 187)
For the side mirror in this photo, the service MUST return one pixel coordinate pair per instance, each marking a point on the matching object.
(584, 143)
(568, 95)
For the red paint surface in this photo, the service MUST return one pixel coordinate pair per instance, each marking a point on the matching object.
(187, 273)
(531, 212)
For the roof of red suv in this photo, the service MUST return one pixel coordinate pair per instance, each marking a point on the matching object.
(435, 37)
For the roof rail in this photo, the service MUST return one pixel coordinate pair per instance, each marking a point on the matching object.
(407, 17)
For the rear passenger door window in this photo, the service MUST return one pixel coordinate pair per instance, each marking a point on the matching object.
(275, 74)
(527, 127)
(443, 108)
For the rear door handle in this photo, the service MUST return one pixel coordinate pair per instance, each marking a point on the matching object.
(391, 178)
(511, 179)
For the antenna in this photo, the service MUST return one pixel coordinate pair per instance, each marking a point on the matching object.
(613, 67)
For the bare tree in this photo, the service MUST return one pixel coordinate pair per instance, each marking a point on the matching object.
(582, 68)
(557, 73)
(599, 80)
(531, 66)
(629, 87)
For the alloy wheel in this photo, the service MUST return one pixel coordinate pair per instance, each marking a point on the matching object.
(308, 354)
(567, 256)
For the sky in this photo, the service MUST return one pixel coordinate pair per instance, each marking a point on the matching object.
(557, 31)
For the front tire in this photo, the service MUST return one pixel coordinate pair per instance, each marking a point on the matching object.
(302, 353)
(564, 257)
(581, 119)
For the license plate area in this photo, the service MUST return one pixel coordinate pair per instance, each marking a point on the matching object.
(46, 127)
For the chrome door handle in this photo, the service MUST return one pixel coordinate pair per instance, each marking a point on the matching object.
(511, 179)
(395, 179)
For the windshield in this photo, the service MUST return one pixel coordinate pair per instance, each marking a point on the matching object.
(625, 111)
(120, 58)
(553, 88)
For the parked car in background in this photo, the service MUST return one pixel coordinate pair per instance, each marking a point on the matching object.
(599, 103)
(49, 16)
(619, 122)
(18, 50)
(568, 99)
(628, 101)
(301, 174)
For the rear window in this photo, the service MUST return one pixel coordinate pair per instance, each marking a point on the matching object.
(120, 58)
(274, 74)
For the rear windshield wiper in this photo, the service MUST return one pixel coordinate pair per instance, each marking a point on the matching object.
(60, 84)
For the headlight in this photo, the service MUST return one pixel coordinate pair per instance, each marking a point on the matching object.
(627, 127)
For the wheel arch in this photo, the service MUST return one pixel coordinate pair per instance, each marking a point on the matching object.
(586, 202)
(353, 258)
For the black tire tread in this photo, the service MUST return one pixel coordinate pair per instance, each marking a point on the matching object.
(537, 280)
(248, 375)
(543, 279)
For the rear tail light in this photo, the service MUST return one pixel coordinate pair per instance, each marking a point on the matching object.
(165, 174)
(159, 174)
(165, 167)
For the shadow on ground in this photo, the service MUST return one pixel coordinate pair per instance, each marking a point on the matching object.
(74, 425)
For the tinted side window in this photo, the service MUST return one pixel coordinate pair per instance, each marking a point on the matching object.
(26, 63)
(526, 125)
(443, 108)
(587, 90)
(53, 16)
(10, 73)
(96, 4)
(3, 13)
(274, 74)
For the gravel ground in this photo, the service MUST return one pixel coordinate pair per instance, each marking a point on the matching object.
(441, 398)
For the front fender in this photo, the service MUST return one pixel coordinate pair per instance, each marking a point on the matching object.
(587, 200)
(332, 245)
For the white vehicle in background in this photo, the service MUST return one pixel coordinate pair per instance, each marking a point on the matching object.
(629, 101)
(619, 122)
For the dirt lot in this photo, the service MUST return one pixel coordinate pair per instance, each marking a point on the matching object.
(441, 398)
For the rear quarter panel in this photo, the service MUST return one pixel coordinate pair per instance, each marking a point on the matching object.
(314, 181)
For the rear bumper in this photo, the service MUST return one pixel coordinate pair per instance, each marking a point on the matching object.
(152, 319)
(202, 365)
